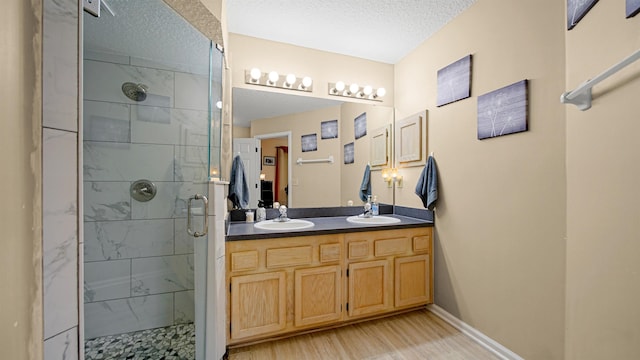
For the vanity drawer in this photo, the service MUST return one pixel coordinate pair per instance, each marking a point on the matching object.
(289, 256)
(358, 249)
(421, 243)
(330, 252)
(386, 247)
(244, 260)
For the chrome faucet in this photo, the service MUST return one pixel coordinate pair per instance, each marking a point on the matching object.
(283, 214)
(367, 209)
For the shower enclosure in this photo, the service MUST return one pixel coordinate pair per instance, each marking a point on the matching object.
(151, 140)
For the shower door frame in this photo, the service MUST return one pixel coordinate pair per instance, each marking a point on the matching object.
(206, 342)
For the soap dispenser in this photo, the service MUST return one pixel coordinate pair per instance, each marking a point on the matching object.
(261, 212)
(375, 210)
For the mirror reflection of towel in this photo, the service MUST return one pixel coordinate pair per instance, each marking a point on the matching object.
(427, 187)
(238, 188)
(365, 187)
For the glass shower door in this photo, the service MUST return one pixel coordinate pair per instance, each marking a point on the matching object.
(146, 139)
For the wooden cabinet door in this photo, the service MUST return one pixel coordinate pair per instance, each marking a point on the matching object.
(317, 295)
(369, 287)
(258, 304)
(412, 280)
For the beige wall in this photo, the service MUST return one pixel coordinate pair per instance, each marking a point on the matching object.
(307, 180)
(500, 219)
(603, 179)
(241, 132)
(20, 216)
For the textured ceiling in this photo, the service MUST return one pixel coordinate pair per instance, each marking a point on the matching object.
(380, 30)
(148, 29)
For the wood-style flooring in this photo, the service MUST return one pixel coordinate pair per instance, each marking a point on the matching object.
(416, 335)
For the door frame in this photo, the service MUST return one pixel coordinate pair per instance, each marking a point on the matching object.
(288, 135)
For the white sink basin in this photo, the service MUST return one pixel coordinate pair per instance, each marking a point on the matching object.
(375, 220)
(293, 224)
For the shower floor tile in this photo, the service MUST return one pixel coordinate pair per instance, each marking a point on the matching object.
(175, 342)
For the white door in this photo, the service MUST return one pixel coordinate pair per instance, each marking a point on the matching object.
(250, 152)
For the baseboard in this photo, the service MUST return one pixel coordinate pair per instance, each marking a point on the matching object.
(474, 334)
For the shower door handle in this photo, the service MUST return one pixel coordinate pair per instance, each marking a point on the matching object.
(205, 227)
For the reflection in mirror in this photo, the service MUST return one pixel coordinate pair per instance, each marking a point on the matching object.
(279, 122)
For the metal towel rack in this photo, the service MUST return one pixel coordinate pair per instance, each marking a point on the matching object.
(329, 160)
(581, 96)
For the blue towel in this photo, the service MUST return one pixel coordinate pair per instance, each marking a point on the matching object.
(365, 187)
(238, 188)
(427, 187)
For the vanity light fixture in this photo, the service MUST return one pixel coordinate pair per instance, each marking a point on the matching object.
(273, 79)
(289, 81)
(391, 176)
(356, 91)
(254, 75)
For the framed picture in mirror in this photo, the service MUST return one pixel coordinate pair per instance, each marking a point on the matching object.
(309, 142)
(360, 125)
(269, 160)
(349, 153)
(329, 129)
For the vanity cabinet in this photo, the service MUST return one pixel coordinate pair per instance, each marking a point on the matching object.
(369, 288)
(388, 270)
(258, 304)
(295, 284)
(318, 298)
(283, 285)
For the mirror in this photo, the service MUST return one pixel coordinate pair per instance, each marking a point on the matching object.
(298, 137)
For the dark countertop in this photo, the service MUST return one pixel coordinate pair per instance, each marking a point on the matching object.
(240, 230)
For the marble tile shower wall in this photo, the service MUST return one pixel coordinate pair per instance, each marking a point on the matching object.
(60, 246)
(138, 258)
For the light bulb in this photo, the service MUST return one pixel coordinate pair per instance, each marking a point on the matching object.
(340, 86)
(381, 92)
(306, 82)
(353, 88)
(219, 104)
(291, 79)
(367, 90)
(255, 74)
(273, 77)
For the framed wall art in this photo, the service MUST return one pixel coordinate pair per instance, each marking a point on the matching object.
(454, 81)
(576, 10)
(633, 8)
(503, 111)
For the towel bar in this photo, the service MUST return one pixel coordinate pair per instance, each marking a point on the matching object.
(329, 160)
(581, 96)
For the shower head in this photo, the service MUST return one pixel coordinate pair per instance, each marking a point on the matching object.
(135, 92)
